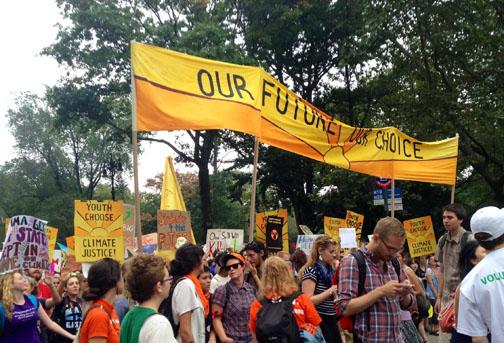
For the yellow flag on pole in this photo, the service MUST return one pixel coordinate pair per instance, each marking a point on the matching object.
(171, 195)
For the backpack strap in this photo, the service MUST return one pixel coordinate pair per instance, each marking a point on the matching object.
(463, 240)
(442, 241)
(166, 307)
(34, 301)
(397, 267)
(3, 318)
(361, 264)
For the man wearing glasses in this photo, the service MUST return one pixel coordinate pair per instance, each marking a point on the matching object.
(385, 292)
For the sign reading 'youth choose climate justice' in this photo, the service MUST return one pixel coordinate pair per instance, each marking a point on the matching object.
(99, 230)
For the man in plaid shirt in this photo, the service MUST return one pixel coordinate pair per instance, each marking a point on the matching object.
(376, 311)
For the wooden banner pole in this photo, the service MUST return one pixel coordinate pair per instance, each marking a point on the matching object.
(253, 196)
(134, 143)
(392, 196)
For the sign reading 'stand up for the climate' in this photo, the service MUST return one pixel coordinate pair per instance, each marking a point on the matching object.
(99, 230)
(25, 245)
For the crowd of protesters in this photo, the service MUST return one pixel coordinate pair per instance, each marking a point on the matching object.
(377, 293)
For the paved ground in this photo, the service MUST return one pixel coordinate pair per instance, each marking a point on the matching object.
(433, 339)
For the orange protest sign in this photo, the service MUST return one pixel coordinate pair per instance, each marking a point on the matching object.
(420, 236)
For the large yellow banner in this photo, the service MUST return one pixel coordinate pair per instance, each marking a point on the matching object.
(99, 230)
(420, 236)
(175, 91)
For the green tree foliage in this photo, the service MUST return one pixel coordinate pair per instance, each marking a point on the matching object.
(430, 68)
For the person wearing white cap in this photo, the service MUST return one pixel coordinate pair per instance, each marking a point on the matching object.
(482, 291)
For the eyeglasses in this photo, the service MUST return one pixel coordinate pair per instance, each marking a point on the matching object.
(232, 266)
(169, 279)
(391, 248)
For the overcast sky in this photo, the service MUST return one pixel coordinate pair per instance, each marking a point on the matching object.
(26, 27)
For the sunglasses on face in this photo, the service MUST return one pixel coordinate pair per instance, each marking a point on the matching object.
(232, 266)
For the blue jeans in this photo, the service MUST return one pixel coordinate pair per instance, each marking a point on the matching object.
(306, 337)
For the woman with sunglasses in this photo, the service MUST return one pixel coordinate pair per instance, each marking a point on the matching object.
(316, 282)
(148, 283)
(68, 313)
(231, 303)
(19, 313)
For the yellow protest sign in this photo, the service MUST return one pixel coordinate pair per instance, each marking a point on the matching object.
(98, 229)
(332, 226)
(356, 221)
(420, 236)
(175, 91)
(70, 241)
(262, 221)
(52, 236)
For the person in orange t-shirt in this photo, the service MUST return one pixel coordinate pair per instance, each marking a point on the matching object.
(101, 323)
(277, 281)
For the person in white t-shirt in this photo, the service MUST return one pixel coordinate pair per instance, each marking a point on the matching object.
(187, 305)
(482, 291)
(222, 277)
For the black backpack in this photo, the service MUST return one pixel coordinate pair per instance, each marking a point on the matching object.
(463, 240)
(166, 308)
(276, 322)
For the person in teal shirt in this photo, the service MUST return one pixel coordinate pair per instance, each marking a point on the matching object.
(148, 283)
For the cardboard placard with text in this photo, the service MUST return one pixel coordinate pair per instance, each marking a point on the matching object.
(305, 243)
(25, 245)
(172, 225)
(221, 239)
(129, 227)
